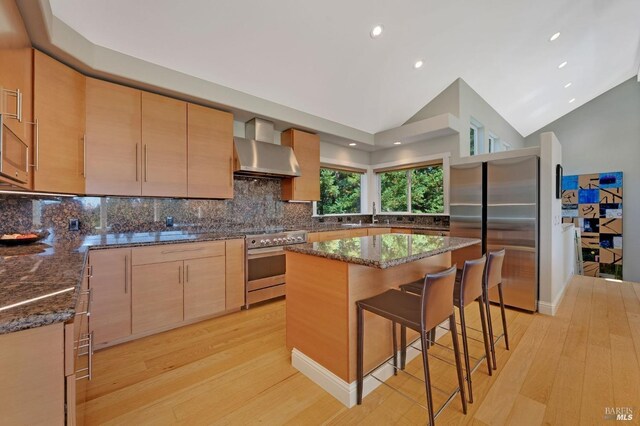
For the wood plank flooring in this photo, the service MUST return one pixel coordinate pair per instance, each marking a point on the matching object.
(561, 370)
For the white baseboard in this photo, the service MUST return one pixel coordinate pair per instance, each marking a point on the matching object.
(345, 392)
(551, 308)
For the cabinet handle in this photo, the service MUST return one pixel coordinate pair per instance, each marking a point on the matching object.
(86, 341)
(145, 162)
(136, 162)
(187, 273)
(126, 272)
(231, 172)
(16, 94)
(84, 155)
(181, 250)
(89, 294)
(179, 274)
(37, 143)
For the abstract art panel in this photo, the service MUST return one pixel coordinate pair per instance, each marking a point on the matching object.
(593, 203)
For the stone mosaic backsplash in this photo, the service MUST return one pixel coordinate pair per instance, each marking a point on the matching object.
(256, 205)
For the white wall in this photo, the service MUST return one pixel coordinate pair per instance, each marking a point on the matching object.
(603, 135)
(472, 105)
(551, 246)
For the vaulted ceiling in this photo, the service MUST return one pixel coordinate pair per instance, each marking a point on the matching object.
(318, 56)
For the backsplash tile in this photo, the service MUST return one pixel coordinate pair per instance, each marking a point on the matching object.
(256, 205)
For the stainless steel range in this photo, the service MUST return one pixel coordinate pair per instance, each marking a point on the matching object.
(266, 264)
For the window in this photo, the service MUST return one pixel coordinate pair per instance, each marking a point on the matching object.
(340, 191)
(473, 140)
(416, 190)
(476, 137)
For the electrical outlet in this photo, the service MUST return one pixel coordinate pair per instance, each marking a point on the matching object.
(348, 218)
(399, 219)
(412, 219)
(74, 224)
(340, 219)
(169, 221)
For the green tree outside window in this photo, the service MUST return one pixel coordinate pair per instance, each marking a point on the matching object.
(340, 192)
(418, 190)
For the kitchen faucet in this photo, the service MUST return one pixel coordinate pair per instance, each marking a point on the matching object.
(373, 214)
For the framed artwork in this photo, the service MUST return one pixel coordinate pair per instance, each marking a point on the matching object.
(593, 203)
(558, 181)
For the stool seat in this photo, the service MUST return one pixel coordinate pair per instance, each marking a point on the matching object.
(396, 306)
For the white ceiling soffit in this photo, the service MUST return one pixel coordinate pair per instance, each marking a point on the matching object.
(318, 57)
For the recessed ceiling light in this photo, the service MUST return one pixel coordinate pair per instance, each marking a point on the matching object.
(566, 86)
(572, 100)
(397, 143)
(562, 65)
(554, 37)
(418, 64)
(352, 144)
(376, 31)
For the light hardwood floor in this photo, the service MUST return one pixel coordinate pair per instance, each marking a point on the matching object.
(561, 370)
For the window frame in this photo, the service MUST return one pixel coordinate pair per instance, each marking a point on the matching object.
(441, 161)
(364, 172)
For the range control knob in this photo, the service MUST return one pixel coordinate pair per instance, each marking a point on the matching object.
(263, 242)
(299, 239)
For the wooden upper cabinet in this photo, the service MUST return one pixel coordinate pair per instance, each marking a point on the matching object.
(16, 73)
(210, 152)
(164, 146)
(59, 107)
(113, 140)
(307, 149)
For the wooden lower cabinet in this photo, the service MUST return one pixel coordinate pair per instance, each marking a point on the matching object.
(157, 296)
(204, 287)
(379, 231)
(111, 291)
(400, 231)
(32, 389)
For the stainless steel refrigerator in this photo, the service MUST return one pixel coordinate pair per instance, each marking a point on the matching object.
(498, 202)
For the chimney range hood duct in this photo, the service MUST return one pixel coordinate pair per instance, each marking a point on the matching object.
(258, 155)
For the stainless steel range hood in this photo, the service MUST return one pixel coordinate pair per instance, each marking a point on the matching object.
(258, 155)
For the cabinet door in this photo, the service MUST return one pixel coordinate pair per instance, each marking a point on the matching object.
(204, 286)
(235, 274)
(358, 233)
(59, 107)
(113, 139)
(16, 72)
(401, 231)
(307, 149)
(157, 296)
(32, 389)
(210, 152)
(110, 285)
(164, 146)
(379, 231)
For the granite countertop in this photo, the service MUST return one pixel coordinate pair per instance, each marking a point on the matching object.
(383, 251)
(351, 225)
(40, 283)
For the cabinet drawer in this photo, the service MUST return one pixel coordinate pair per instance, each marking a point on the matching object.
(173, 252)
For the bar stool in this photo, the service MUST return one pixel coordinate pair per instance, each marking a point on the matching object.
(468, 288)
(493, 278)
(420, 314)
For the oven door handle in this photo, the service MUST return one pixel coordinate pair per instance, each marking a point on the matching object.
(262, 252)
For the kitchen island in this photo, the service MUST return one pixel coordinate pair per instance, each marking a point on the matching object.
(325, 279)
